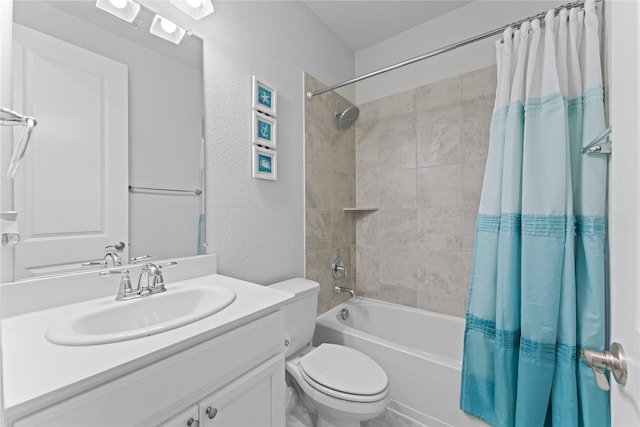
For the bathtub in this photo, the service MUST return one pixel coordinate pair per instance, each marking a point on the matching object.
(421, 352)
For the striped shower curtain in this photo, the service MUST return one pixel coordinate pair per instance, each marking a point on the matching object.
(537, 292)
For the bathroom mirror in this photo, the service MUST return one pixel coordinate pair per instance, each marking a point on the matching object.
(118, 152)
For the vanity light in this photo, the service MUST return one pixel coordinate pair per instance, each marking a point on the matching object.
(197, 9)
(166, 29)
(126, 10)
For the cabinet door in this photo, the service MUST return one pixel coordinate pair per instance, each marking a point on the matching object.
(253, 400)
(186, 418)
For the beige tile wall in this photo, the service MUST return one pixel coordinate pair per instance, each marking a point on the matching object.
(330, 186)
(420, 158)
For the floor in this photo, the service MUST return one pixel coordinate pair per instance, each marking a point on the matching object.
(392, 419)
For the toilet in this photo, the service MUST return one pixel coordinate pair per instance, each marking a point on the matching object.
(338, 385)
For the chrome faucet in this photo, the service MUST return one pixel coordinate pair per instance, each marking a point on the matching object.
(150, 281)
(338, 289)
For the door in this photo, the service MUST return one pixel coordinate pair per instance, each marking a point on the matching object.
(623, 50)
(71, 192)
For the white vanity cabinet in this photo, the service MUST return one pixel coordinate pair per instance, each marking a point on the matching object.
(239, 375)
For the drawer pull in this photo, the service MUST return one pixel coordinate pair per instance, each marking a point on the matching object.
(211, 412)
(193, 423)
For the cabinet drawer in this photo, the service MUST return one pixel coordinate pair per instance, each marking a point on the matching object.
(169, 384)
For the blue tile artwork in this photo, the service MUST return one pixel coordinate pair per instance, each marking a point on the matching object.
(264, 96)
(264, 130)
(264, 163)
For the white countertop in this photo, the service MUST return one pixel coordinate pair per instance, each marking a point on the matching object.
(37, 372)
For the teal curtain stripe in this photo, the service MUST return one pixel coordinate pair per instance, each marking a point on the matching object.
(544, 105)
(488, 223)
(556, 101)
(508, 340)
(543, 225)
(537, 350)
(484, 326)
(593, 226)
(548, 225)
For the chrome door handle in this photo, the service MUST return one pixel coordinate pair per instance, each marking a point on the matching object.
(612, 360)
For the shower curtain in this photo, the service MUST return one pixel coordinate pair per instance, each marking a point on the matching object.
(537, 291)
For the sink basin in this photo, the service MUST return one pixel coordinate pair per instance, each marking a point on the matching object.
(112, 321)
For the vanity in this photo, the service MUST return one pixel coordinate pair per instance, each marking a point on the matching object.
(224, 369)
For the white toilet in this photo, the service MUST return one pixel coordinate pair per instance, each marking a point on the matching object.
(338, 385)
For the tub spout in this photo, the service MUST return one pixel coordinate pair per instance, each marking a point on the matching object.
(338, 289)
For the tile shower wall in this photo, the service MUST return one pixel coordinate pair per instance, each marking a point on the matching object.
(420, 158)
(330, 186)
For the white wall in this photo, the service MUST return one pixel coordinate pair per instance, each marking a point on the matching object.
(469, 21)
(256, 227)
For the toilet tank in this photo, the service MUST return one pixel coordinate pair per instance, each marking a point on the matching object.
(299, 312)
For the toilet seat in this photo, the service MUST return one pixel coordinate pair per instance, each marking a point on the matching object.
(344, 373)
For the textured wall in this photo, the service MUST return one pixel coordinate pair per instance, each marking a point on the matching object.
(256, 227)
(330, 183)
(420, 158)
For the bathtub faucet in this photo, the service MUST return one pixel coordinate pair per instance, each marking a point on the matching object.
(338, 289)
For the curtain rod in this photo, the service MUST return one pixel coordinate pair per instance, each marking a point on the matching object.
(448, 48)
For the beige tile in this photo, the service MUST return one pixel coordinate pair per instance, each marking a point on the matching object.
(318, 268)
(439, 138)
(397, 113)
(467, 266)
(318, 149)
(472, 177)
(397, 189)
(369, 112)
(440, 272)
(342, 228)
(439, 94)
(440, 187)
(366, 146)
(368, 189)
(480, 84)
(367, 228)
(343, 190)
(318, 187)
(317, 230)
(398, 150)
(343, 143)
(398, 267)
(469, 218)
(476, 125)
(440, 229)
(344, 254)
(399, 295)
(397, 228)
(453, 305)
(367, 278)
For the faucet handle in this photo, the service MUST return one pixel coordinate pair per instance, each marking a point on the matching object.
(139, 258)
(167, 264)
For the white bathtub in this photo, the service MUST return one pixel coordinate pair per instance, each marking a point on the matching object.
(421, 352)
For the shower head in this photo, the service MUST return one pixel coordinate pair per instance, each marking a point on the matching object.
(348, 117)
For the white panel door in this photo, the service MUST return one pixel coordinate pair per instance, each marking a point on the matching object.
(623, 51)
(71, 193)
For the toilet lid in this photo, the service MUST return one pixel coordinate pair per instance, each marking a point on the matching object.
(344, 369)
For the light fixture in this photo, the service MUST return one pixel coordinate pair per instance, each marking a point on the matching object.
(166, 29)
(197, 9)
(126, 10)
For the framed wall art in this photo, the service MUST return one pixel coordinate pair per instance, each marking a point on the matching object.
(265, 163)
(263, 130)
(264, 97)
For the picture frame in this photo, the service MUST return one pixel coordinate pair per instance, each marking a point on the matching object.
(264, 97)
(265, 163)
(263, 130)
